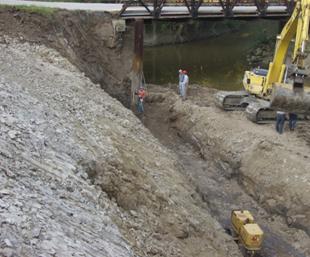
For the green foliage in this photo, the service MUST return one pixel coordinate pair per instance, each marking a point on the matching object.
(31, 9)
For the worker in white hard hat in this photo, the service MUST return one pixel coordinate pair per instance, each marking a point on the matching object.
(181, 76)
(184, 84)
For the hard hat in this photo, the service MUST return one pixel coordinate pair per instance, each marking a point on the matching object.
(180, 70)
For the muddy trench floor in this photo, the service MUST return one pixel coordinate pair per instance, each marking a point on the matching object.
(221, 193)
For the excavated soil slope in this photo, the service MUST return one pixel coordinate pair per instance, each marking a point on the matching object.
(237, 164)
(72, 158)
(86, 39)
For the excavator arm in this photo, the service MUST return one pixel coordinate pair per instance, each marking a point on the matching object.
(277, 67)
(281, 87)
(292, 98)
(274, 86)
(298, 26)
(302, 34)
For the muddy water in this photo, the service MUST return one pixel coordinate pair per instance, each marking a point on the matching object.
(218, 62)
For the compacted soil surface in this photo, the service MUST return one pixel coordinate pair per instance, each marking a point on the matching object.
(235, 164)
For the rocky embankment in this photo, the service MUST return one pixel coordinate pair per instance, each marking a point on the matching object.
(80, 175)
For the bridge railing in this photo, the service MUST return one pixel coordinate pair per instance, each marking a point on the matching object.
(206, 8)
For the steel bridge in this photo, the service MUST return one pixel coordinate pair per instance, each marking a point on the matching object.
(205, 9)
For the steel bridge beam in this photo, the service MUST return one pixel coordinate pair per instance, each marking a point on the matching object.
(174, 9)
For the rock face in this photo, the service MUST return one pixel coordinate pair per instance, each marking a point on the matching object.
(47, 206)
(81, 176)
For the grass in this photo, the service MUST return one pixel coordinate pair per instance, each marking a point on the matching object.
(47, 11)
(81, 1)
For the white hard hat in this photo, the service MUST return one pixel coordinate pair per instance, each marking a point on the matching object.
(180, 70)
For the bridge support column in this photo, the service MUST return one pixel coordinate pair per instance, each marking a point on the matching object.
(137, 64)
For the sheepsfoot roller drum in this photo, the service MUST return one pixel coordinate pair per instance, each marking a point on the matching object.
(289, 100)
(247, 232)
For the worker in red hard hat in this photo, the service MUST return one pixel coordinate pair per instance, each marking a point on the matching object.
(184, 84)
(141, 95)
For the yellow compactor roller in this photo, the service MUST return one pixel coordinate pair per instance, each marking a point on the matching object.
(281, 87)
(246, 231)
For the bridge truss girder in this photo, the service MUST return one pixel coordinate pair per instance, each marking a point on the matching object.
(154, 8)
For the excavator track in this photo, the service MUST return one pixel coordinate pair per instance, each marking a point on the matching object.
(257, 110)
(231, 100)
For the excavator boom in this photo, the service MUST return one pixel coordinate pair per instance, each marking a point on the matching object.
(281, 87)
(291, 97)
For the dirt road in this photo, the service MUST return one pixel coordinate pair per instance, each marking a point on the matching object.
(220, 191)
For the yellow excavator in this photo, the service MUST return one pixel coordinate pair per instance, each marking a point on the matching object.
(281, 87)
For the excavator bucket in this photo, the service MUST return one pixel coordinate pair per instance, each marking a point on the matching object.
(290, 100)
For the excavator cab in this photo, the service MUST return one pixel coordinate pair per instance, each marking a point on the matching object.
(253, 81)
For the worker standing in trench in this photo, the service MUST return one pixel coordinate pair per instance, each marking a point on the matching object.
(292, 120)
(141, 95)
(181, 76)
(280, 121)
(184, 85)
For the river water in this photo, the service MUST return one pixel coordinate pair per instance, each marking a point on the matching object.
(216, 62)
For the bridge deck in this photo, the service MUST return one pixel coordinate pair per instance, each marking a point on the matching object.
(174, 9)
(205, 12)
(177, 9)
